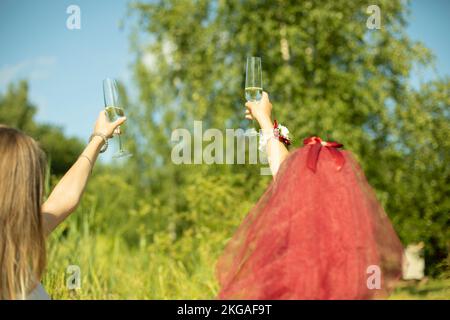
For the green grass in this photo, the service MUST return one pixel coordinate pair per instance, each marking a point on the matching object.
(112, 270)
(130, 246)
(433, 289)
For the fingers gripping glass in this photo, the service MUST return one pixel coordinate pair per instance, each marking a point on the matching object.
(114, 110)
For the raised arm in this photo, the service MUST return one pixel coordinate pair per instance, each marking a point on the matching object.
(66, 195)
(262, 112)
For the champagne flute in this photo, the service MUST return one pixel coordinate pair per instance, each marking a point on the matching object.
(253, 82)
(114, 110)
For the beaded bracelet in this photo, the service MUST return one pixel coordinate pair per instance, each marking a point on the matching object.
(101, 135)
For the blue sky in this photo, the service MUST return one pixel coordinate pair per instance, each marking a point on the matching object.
(65, 68)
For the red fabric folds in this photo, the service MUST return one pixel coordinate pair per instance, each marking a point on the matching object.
(316, 233)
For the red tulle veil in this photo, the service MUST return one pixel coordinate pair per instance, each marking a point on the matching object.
(318, 232)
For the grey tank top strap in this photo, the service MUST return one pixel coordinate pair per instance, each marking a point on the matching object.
(38, 293)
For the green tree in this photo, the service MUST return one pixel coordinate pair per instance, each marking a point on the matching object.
(17, 111)
(327, 74)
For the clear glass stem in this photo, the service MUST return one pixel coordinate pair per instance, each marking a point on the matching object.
(120, 142)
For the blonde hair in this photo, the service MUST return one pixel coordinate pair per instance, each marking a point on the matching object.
(22, 239)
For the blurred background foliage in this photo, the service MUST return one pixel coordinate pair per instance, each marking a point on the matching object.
(152, 229)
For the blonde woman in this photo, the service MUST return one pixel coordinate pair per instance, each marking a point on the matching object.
(25, 218)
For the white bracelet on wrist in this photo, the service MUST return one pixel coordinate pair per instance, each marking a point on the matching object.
(105, 140)
(264, 137)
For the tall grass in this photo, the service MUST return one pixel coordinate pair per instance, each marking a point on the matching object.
(111, 268)
(132, 246)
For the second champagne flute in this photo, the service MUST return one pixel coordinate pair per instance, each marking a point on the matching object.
(114, 110)
(253, 81)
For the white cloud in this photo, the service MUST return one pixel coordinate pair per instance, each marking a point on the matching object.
(9, 72)
(32, 69)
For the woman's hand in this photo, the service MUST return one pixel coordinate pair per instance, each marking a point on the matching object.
(106, 127)
(261, 111)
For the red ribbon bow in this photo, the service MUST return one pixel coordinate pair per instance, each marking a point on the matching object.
(316, 145)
